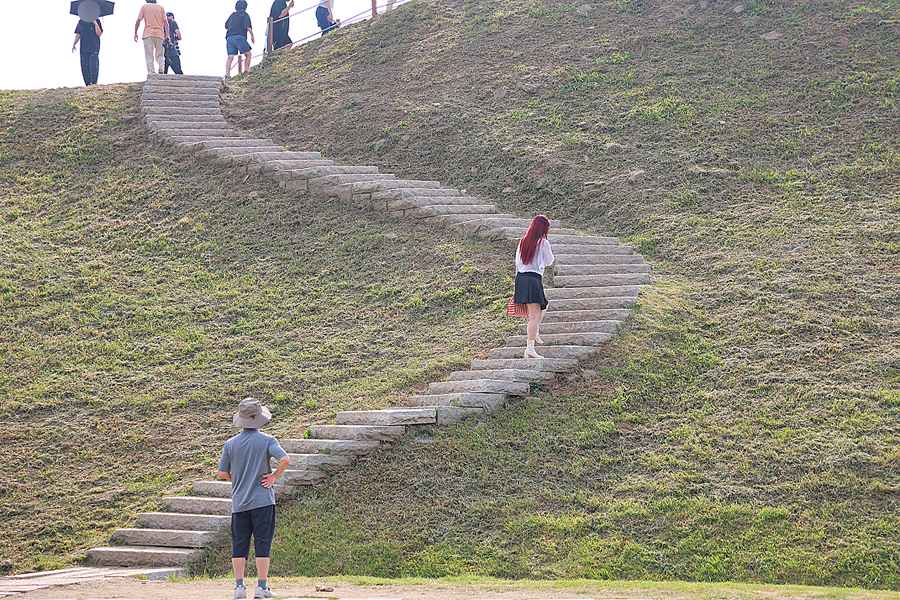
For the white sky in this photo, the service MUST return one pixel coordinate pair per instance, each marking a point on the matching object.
(45, 36)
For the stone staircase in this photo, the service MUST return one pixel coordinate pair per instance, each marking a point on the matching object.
(597, 281)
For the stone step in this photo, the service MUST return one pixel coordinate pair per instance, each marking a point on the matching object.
(492, 225)
(173, 538)
(168, 520)
(192, 125)
(370, 187)
(272, 166)
(451, 415)
(208, 144)
(522, 375)
(222, 489)
(198, 505)
(455, 219)
(306, 476)
(557, 365)
(316, 172)
(599, 314)
(287, 155)
(516, 233)
(212, 117)
(177, 92)
(357, 432)
(419, 194)
(163, 97)
(564, 249)
(188, 141)
(143, 556)
(330, 447)
(450, 209)
(145, 103)
(416, 202)
(589, 303)
(333, 184)
(586, 338)
(572, 281)
(567, 270)
(479, 386)
(161, 111)
(388, 416)
(257, 161)
(195, 133)
(159, 77)
(487, 402)
(566, 293)
(196, 88)
(222, 152)
(581, 240)
(568, 352)
(606, 326)
(304, 462)
(596, 259)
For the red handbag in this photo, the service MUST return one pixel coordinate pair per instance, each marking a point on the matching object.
(516, 310)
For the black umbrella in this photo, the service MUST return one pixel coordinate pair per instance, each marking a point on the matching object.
(91, 10)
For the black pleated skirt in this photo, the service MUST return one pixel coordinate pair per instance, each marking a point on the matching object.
(529, 289)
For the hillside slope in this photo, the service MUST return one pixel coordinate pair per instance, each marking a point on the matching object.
(144, 293)
(746, 426)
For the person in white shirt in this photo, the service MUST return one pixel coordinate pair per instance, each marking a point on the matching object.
(532, 256)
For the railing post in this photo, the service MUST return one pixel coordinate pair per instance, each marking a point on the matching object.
(374, 8)
(269, 37)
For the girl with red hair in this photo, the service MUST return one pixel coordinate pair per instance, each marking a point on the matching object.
(532, 255)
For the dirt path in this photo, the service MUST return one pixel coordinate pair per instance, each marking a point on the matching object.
(221, 589)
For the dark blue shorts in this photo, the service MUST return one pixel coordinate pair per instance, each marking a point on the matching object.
(237, 44)
(258, 522)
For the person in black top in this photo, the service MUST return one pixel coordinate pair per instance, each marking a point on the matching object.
(173, 52)
(236, 29)
(279, 14)
(89, 35)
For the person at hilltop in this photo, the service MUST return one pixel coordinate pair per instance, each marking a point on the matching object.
(173, 52)
(532, 255)
(156, 29)
(237, 27)
(281, 23)
(245, 462)
(325, 16)
(89, 36)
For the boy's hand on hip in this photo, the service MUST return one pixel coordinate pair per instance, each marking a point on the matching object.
(268, 480)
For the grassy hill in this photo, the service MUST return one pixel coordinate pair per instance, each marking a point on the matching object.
(143, 294)
(744, 426)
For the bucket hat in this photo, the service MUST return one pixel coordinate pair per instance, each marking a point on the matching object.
(251, 414)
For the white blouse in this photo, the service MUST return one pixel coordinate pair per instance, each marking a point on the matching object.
(543, 257)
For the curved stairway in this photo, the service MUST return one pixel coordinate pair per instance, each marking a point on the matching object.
(597, 281)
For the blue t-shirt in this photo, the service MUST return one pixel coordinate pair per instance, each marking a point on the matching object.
(246, 456)
(238, 24)
(90, 41)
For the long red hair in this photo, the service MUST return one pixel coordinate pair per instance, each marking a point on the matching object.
(537, 231)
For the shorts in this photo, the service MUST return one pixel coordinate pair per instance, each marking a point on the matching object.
(258, 522)
(322, 19)
(530, 289)
(237, 44)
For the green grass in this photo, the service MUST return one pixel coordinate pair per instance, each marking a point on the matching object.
(143, 294)
(743, 427)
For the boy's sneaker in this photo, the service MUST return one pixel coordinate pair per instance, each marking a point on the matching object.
(240, 592)
(264, 592)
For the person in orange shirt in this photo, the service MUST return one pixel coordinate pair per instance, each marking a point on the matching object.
(156, 29)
